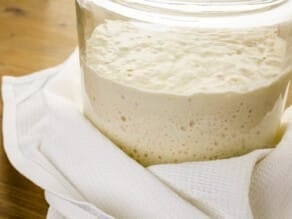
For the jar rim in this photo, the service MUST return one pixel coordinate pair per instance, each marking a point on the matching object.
(203, 7)
(232, 14)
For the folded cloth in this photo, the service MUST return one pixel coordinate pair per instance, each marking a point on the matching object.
(84, 175)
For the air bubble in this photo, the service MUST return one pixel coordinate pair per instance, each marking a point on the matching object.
(123, 118)
(191, 124)
(219, 76)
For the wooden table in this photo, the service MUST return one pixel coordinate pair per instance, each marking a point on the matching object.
(34, 34)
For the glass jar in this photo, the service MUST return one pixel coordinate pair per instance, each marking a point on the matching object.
(174, 81)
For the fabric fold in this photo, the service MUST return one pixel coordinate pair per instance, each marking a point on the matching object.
(48, 140)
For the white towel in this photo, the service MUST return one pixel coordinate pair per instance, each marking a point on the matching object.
(48, 140)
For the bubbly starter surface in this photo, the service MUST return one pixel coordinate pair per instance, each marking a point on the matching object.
(174, 95)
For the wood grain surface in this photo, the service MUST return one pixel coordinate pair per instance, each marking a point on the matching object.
(34, 34)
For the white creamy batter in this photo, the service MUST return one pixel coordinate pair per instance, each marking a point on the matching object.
(173, 95)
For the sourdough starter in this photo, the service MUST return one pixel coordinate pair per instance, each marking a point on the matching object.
(166, 95)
